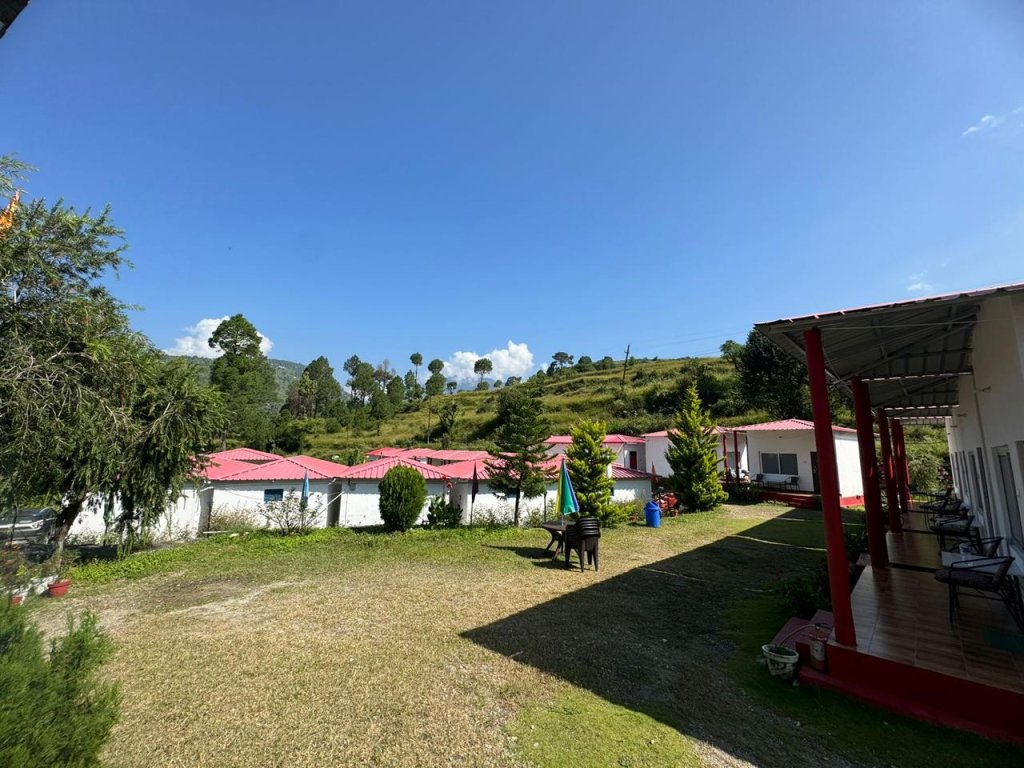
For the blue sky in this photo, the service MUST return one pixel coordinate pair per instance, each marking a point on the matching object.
(382, 178)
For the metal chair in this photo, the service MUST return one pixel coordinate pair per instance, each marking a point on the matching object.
(987, 576)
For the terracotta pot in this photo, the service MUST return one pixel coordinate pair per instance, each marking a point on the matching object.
(59, 588)
(17, 599)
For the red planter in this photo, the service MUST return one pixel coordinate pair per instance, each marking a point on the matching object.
(59, 588)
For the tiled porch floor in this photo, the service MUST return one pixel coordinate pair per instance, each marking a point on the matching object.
(916, 550)
(902, 616)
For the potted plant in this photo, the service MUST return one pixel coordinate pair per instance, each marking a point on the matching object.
(62, 581)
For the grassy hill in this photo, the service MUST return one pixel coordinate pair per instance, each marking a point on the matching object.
(627, 408)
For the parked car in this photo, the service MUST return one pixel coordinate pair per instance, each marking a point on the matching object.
(31, 527)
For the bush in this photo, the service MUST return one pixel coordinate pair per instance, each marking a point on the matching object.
(443, 514)
(233, 519)
(55, 710)
(290, 514)
(402, 494)
(744, 494)
(617, 513)
(807, 593)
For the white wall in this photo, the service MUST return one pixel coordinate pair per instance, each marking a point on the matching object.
(491, 505)
(656, 449)
(990, 415)
(631, 490)
(360, 502)
(848, 464)
(801, 442)
(621, 453)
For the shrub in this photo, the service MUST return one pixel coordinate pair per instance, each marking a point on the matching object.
(744, 494)
(56, 711)
(402, 494)
(290, 514)
(443, 514)
(807, 593)
(617, 513)
(233, 519)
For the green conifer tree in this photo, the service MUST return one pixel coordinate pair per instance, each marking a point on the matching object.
(691, 455)
(588, 462)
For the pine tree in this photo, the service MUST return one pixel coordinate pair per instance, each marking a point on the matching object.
(588, 462)
(692, 457)
(519, 438)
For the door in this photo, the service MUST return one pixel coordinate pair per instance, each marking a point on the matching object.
(814, 472)
(1009, 493)
(632, 459)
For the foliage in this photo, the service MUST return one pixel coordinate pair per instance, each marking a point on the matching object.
(291, 514)
(927, 453)
(232, 519)
(587, 460)
(56, 710)
(435, 366)
(447, 418)
(769, 379)
(806, 593)
(396, 392)
(519, 439)
(691, 454)
(744, 493)
(435, 384)
(443, 514)
(451, 386)
(316, 393)
(402, 494)
(245, 379)
(616, 513)
(413, 388)
(482, 386)
(483, 366)
(88, 408)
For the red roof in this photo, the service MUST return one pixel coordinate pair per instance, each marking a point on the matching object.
(787, 425)
(625, 473)
(716, 430)
(218, 468)
(375, 470)
(458, 454)
(608, 440)
(245, 454)
(385, 452)
(463, 470)
(289, 468)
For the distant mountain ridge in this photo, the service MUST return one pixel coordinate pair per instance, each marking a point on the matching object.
(285, 372)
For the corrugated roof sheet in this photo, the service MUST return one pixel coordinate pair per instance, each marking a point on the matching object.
(289, 468)
(245, 454)
(608, 440)
(625, 473)
(218, 468)
(787, 425)
(375, 470)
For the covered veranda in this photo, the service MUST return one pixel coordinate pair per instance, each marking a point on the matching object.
(892, 642)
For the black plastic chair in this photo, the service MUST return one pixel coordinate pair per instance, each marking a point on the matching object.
(988, 576)
(583, 536)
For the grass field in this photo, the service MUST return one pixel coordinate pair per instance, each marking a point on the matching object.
(469, 648)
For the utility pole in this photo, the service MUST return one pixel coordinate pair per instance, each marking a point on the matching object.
(624, 364)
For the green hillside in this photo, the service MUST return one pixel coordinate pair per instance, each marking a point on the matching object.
(645, 402)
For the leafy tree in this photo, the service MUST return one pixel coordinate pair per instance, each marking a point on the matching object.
(413, 389)
(451, 386)
(483, 366)
(519, 439)
(447, 416)
(352, 365)
(396, 392)
(88, 408)
(245, 379)
(65, 684)
(497, 384)
(769, 379)
(584, 364)
(513, 380)
(363, 382)
(382, 375)
(692, 457)
(380, 407)
(588, 461)
(606, 363)
(435, 384)
(403, 491)
(482, 386)
(435, 366)
(316, 393)
(417, 360)
(561, 360)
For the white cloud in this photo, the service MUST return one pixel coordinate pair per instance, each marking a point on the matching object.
(513, 360)
(196, 340)
(918, 283)
(987, 123)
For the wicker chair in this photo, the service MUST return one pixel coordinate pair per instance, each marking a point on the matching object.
(988, 576)
(583, 536)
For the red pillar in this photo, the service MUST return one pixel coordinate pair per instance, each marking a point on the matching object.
(828, 476)
(892, 502)
(725, 458)
(869, 474)
(899, 446)
(736, 450)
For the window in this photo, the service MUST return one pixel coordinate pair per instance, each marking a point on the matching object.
(779, 464)
(273, 494)
(976, 484)
(984, 479)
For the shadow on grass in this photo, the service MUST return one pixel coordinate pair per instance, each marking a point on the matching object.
(652, 640)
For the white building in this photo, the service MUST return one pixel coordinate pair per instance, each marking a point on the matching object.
(629, 451)
(777, 451)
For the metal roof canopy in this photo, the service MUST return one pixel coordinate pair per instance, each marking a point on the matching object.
(911, 354)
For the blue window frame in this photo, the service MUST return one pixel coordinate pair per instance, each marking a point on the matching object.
(273, 494)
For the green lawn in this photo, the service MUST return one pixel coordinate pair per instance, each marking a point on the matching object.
(470, 648)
